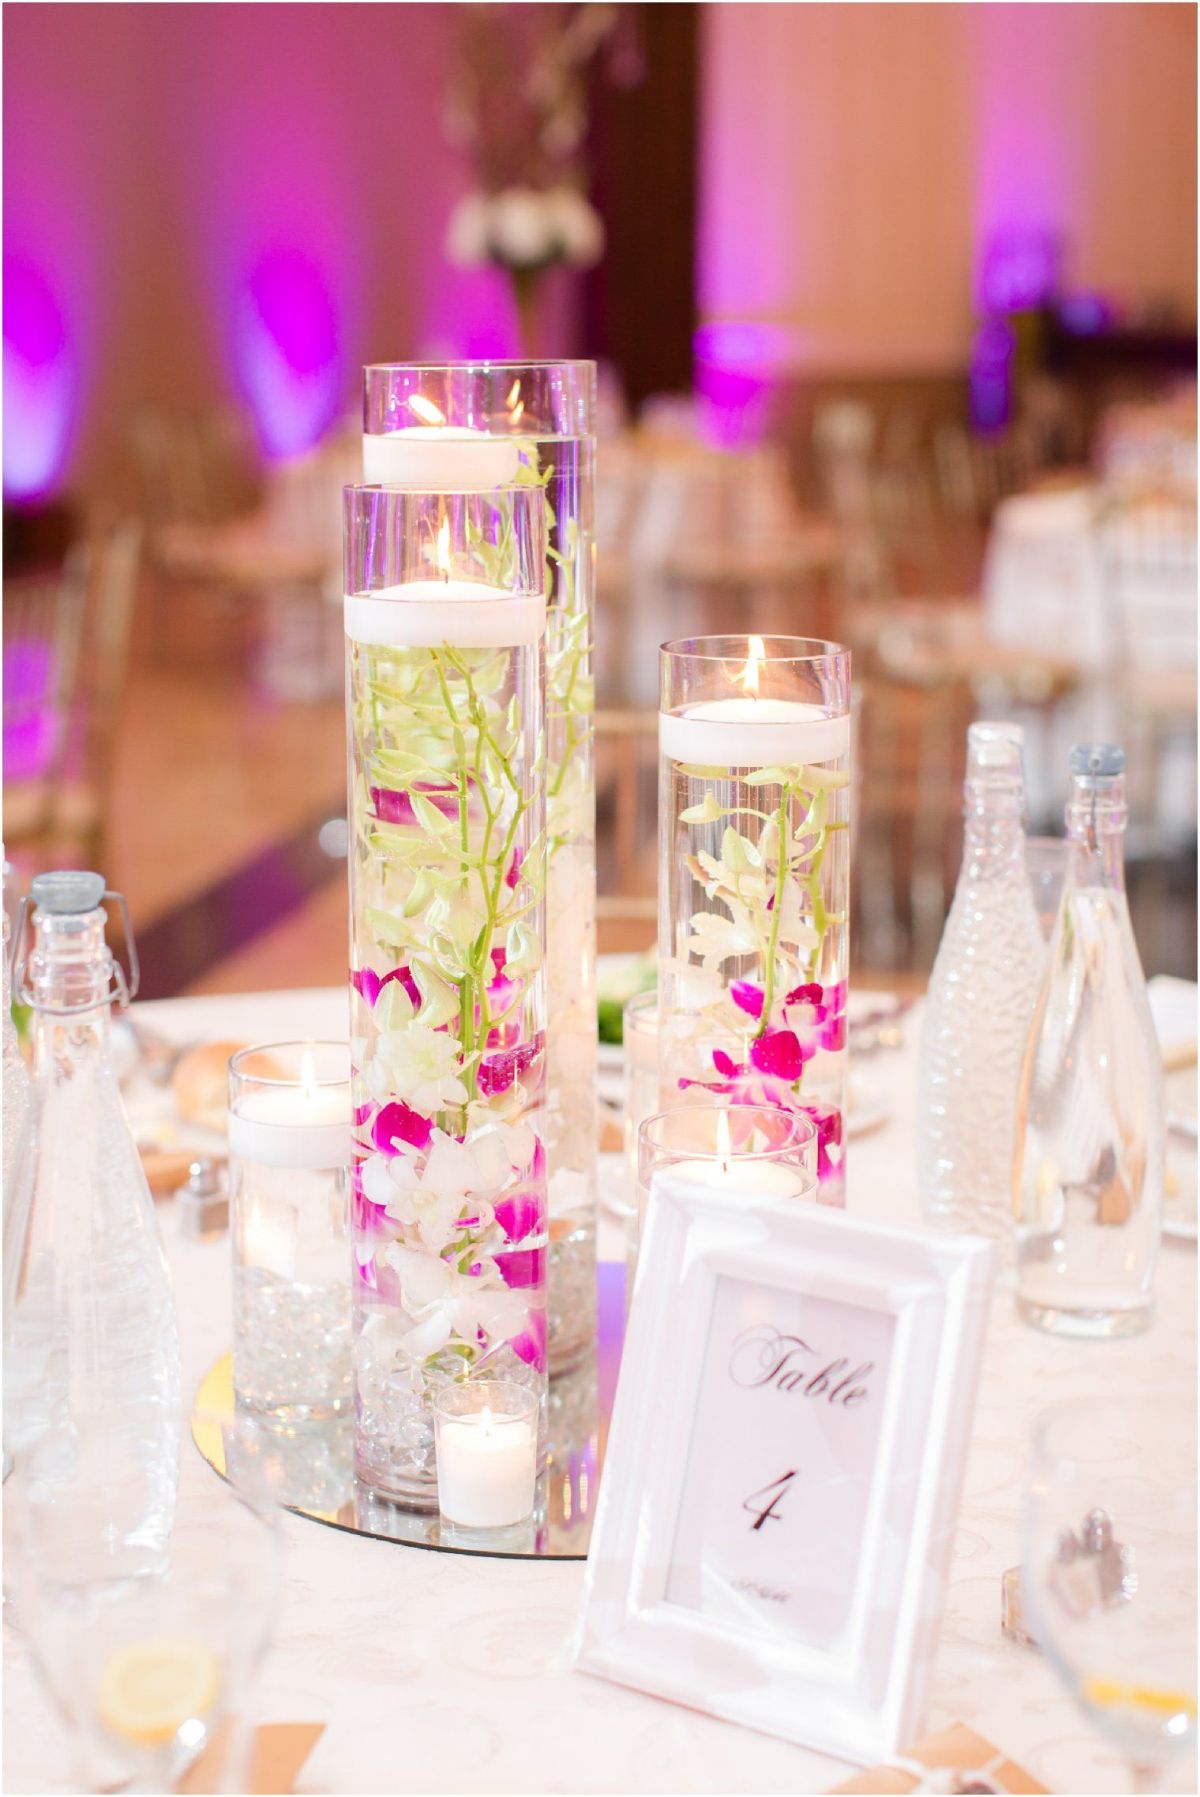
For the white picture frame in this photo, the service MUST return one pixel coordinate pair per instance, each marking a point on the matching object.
(815, 1623)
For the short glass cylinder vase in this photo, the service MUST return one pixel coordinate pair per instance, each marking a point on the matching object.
(754, 880)
(289, 1159)
(445, 627)
(739, 1150)
(460, 425)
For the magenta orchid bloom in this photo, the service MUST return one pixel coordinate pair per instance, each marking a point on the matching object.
(780, 1055)
(523, 1269)
(369, 984)
(531, 1346)
(397, 1122)
(498, 1071)
(747, 997)
(393, 807)
(818, 1014)
(514, 873)
(520, 1215)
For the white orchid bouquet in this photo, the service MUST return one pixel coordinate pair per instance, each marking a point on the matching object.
(518, 106)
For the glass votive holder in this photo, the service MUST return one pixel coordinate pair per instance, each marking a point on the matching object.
(744, 1150)
(486, 1440)
(639, 1038)
(290, 1144)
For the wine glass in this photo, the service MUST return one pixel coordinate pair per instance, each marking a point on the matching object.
(1109, 1574)
(146, 1653)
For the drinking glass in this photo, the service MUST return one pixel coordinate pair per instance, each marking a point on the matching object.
(742, 1150)
(143, 1663)
(1119, 1625)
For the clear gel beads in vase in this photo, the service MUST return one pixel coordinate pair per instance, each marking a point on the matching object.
(1088, 1175)
(982, 992)
(93, 1333)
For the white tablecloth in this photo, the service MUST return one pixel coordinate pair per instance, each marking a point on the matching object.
(439, 1673)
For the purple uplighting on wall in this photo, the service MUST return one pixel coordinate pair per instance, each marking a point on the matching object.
(40, 383)
(1019, 271)
(286, 351)
(989, 376)
(732, 381)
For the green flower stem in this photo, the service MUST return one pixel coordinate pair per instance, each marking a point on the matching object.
(781, 821)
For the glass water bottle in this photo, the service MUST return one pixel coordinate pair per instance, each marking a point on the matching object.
(1091, 1123)
(93, 1333)
(982, 991)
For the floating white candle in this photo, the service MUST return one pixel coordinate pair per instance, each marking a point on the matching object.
(304, 1125)
(424, 614)
(751, 733)
(440, 458)
(436, 457)
(487, 1469)
(746, 731)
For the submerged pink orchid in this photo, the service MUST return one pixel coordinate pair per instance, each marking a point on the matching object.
(497, 1072)
(369, 984)
(396, 807)
(531, 1345)
(398, 1122)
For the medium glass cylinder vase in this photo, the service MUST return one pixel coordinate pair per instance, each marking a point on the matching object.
(754, 874)
(445, 631)
(462, 425)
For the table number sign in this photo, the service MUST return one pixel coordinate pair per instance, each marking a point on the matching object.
(784, 1466)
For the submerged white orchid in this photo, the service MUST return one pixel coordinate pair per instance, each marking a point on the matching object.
(418, 1065)
(442, 1302)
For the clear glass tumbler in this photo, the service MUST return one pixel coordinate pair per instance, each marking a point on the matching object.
(754, 875)
(1109, 1576)
(480, 424)
(290, 1148)
(746, 1150)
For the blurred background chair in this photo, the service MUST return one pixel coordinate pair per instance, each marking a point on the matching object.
(66, 651)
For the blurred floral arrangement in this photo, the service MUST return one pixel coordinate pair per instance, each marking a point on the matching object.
(518, 106)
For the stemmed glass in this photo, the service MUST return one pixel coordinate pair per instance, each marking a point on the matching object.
(147, 1657)
(1109, 1573)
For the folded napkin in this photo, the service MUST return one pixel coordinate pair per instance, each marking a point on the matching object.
(278, 1751)
(955, 1760)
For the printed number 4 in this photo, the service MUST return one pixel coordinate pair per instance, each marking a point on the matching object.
(778, 1487)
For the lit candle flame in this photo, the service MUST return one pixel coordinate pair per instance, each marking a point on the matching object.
(443, 548)
(485, 1420)
(514, 394)
(754, 660)
(425, 409)
(308, 1075)
(723, 1147)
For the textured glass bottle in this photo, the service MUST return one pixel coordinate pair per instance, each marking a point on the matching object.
(982, 992)
(93, 1332)
(1091, 1125)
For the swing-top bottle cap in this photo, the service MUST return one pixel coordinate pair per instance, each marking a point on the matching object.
(1098, 761)
(67, 892)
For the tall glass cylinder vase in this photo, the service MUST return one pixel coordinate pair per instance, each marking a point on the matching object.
(445, 630)
(754, 877)
(461, 425)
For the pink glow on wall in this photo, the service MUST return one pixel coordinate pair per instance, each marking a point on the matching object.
(859, 163)
(286, 351)
(39, 383)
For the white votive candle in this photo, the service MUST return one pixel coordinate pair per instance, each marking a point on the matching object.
(750, 732)
(487, 1462)
(424, 614)
(741, 1176)
(292, 1126)
(440, 458)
